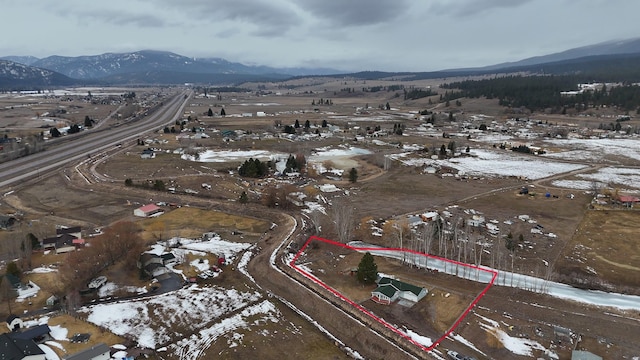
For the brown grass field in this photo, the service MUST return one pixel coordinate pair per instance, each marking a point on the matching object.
(605, 247)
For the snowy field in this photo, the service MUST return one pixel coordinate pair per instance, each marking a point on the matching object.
(164, 319)
(221, 156)
(205, 312)
(340, 157)
(594, 150)
(496, 163)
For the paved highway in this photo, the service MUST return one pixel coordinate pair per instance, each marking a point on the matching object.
(54, 157)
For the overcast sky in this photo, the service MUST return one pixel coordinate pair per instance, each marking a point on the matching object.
(353, 35)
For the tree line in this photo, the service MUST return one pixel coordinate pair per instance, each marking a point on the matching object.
(538, 93)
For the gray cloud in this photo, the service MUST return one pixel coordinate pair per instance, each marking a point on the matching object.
(272, 17)
(355, 12)
(474, 7)
(121, 18)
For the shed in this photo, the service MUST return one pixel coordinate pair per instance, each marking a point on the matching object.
(14, 323)
(148, 210)
(97, 352)
(429, 216)
(628, 201)
(147, 154)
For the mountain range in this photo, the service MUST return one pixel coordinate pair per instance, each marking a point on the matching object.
(161, 67)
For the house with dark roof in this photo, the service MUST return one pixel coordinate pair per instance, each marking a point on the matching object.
(168, 258)
(96, 352)
(67, 239)
(147, 154)
(39, 334)
(76, 231)
(390, 290)
(152, 265)
(18, 349)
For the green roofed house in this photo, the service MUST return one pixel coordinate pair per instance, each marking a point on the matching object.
(390, 290)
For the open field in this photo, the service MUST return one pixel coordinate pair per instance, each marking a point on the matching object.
(605, 249)
(400, 175)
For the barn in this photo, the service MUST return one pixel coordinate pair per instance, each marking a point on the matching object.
(149, 210)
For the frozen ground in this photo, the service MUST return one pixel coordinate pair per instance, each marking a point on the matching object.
(594, 150)
(493, 163)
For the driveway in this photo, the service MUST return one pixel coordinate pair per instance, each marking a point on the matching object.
(169, 282)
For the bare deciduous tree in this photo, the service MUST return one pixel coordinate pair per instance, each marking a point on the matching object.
(342, 215)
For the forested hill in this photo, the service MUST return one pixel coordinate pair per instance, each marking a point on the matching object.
(609, 68)
(538, 93)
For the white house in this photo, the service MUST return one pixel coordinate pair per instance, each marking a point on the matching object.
(390, 290)
(476, 220)
(148, 210)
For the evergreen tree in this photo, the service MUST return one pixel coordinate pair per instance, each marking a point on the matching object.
(210, 112)
(387, 106)
(54, 132)
(297, 124)
(324, 123)
(367, 269)
(158, 185)
(222, 112)
(443, 152)
(353, 175)
(452, 146)
(509, 244)
(243, 198)
(291, 164)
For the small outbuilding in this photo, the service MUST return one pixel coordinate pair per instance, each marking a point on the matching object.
(14, 323)
(629, 201)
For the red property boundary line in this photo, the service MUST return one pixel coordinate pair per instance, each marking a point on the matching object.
(370, 314)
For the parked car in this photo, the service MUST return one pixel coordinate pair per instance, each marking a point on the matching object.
(97, 282)
(455, 356)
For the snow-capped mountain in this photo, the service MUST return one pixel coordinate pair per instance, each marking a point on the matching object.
(110, 65)
(15, 76)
